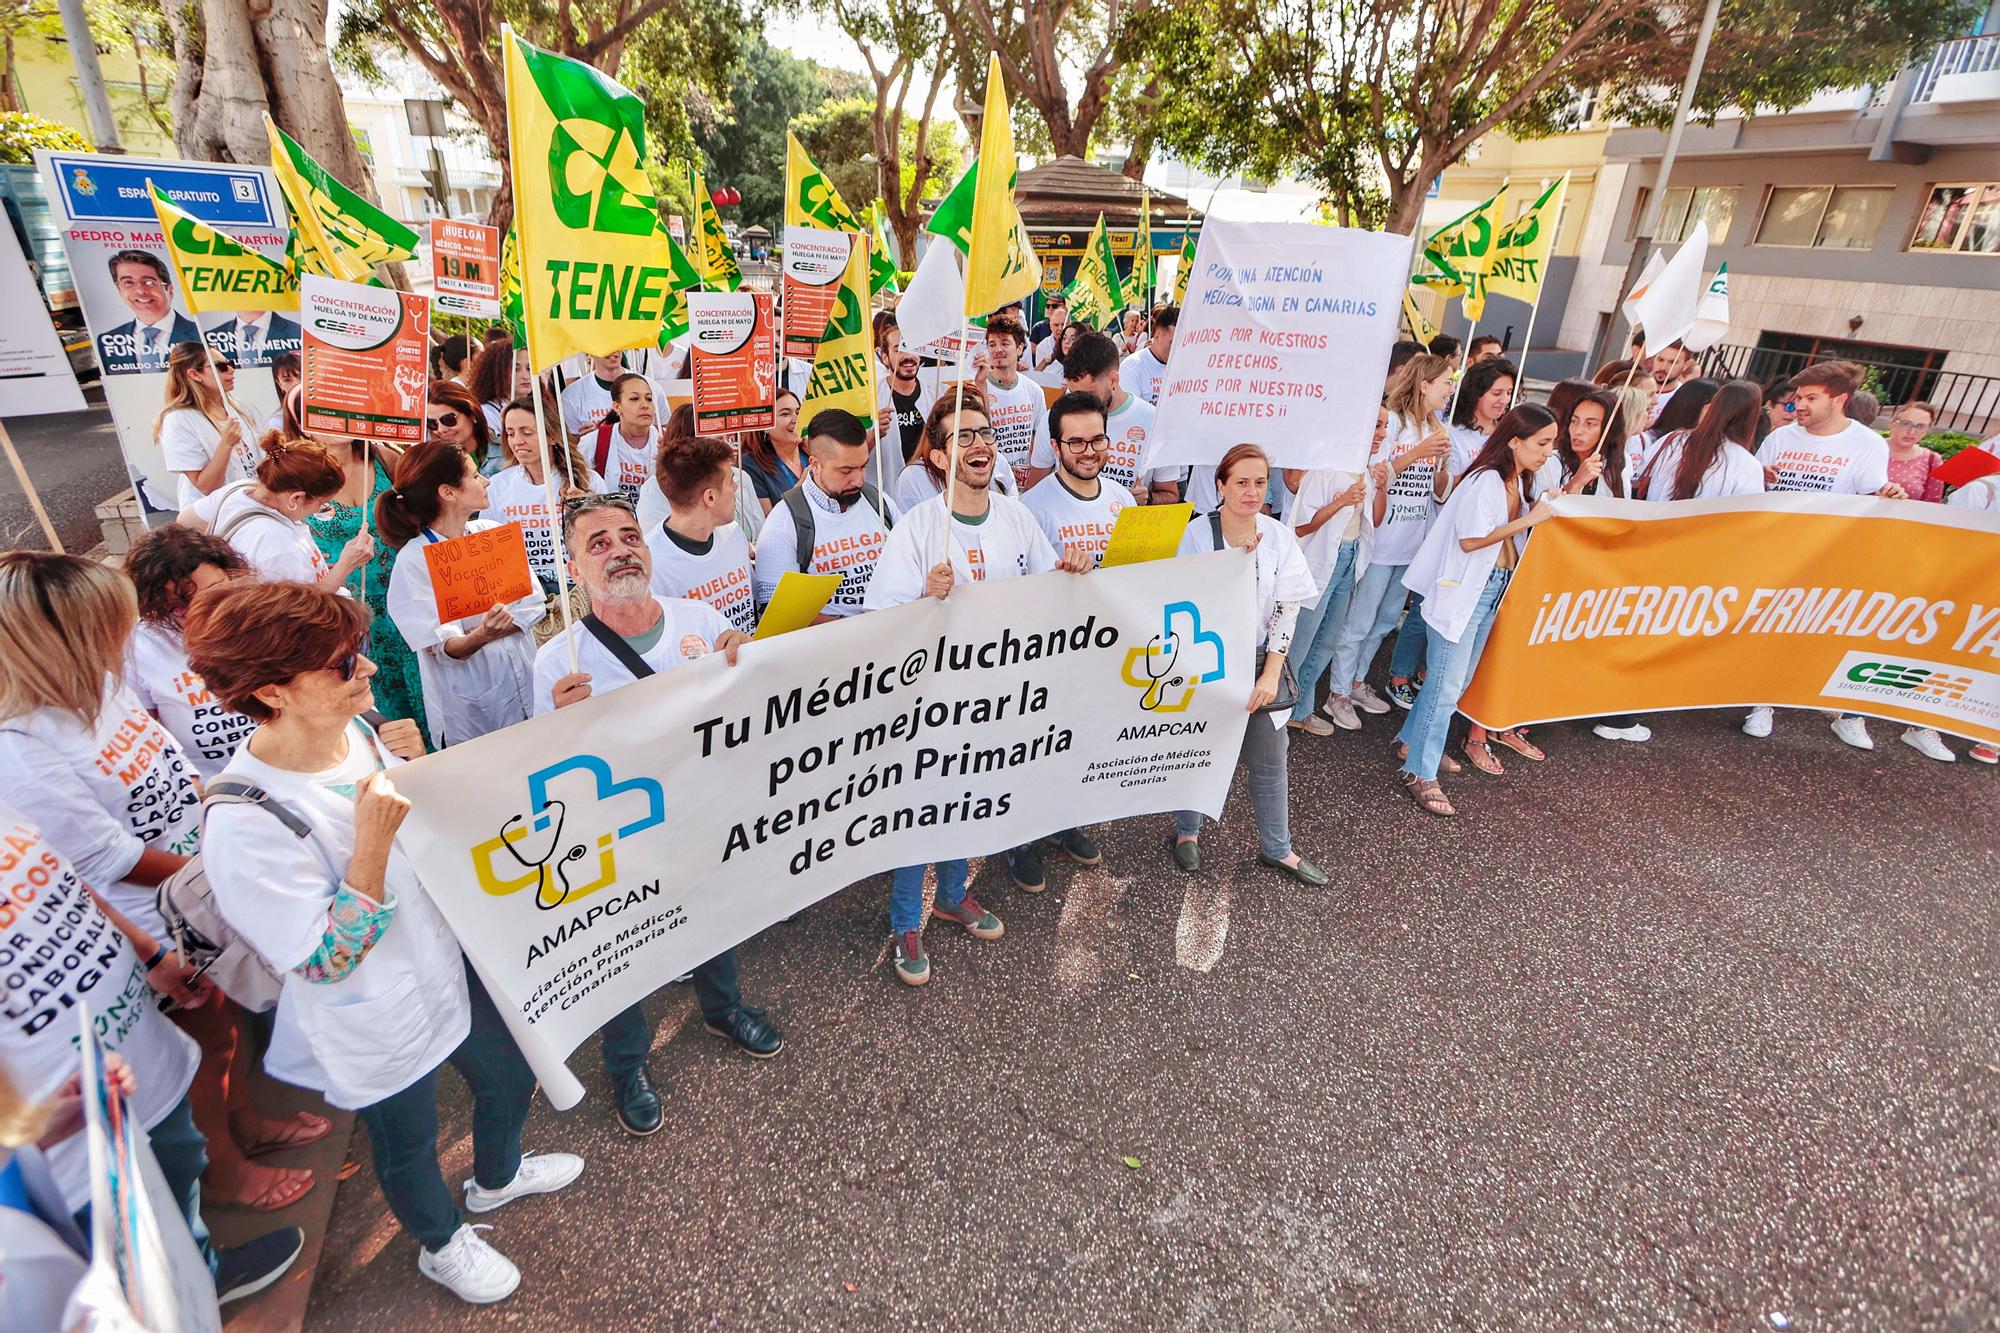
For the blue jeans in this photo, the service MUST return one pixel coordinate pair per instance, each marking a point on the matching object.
(1318, 630)
(1408, 653)
(906, 892)
(183, 1155)
(1265, 748)
(1451, 667)
(628, 1037)
(1371, 614)
(403, 1127)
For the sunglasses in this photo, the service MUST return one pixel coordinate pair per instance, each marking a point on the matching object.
(227, 367)
(346, 665)
(443, 420)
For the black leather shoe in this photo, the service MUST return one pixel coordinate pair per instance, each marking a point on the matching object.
(1305, 872)
(1079, 847)
(638, 1105)
(1024, 867)
(1187, 855)
(749, 1029)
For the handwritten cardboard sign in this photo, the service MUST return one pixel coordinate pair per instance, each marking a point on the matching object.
(1147, 532)
(470, 574)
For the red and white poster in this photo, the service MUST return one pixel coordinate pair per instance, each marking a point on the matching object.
(367, 360)
(465, 268)
(815, 259)
(734, 341)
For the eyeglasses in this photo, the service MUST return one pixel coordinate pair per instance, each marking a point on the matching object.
(144, 284)
(974, 435)
(442, 421)
(1904, 423)
(1092, 444)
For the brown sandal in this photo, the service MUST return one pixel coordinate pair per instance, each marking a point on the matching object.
(297, 1132)
(1446, 764)
(1428, 795)
(287, 1186)
(1516, 739)
(1481, 757)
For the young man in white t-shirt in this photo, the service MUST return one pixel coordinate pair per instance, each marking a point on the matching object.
(848, 517)
(1146, 369)
(628, 625)
(1016, 407)
(1092, 368)
(588, 401)
(698, 551)
(1075, 508)
(1824, 453)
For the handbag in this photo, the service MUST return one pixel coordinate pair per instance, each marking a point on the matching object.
(1288, 681)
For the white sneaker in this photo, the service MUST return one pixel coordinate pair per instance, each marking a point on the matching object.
(1340, 711)
(1315, 725)
(1635, 732)
(471, 1269)
(1928, 744)
(1854, 730)
(1363, 696)
(539, 1173)
(1757, 723)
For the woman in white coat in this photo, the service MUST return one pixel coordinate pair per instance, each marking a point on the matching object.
(479, 675)
(1462, 571)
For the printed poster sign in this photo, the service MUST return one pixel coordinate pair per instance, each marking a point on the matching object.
(815, 259)
(132, 305)
(1884, 607)
(35, 374)
(367, 361)
(733, 346)
(465, 268)
(1282, 343)
(938, 729)
(474, 573)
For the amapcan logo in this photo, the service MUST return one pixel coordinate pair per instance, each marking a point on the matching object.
(1932, 687)
(536, 850)
(1166, 668)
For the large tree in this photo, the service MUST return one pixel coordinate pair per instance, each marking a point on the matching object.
(670, 51)
(744, 138)
(895, 38)
(1041, 45)
(1372, 99)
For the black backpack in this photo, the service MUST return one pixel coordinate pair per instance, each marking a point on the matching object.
(802, 519)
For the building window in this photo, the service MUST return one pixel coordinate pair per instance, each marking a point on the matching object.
(1961, 218)
(1713, 204)
(1827, 217)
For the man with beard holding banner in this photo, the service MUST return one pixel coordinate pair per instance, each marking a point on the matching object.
(981, 536)
(630, 633)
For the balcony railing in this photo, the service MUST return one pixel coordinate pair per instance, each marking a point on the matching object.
(1965, 402)
(1967, 55)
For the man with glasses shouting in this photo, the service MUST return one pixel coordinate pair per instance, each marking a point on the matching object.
(142, 343)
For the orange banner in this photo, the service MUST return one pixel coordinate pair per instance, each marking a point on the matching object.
(1843, 603)
(815, 259)
(474, 573)
(367, 360)
(465, 268)
(734, 360)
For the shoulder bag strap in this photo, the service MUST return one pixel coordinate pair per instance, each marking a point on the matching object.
(617, 647)
(1215, 529)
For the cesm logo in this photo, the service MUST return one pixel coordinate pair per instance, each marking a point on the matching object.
(1917, 679)
(1166, 668)
(1947, 691)
(534, 850)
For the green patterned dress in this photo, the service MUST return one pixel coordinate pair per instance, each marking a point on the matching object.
(398, 690)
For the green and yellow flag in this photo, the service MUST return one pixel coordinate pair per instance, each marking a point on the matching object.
(713, 255)
(511, 302)
(1000, 266)
(217, 272)
(812, 199)
(844, 367)
(1095, 294)
(340, 234)
(882, 258)
(594, 260)
(1521, 251)
(1420, 328)
(1460, 253)
(1186, 268)
(685, 278)
(953, 218)
(1142, 251)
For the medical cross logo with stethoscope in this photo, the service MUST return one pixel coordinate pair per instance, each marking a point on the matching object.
(1166, 668)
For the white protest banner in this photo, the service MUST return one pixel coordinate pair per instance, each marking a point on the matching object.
(585, 857)
(144, 1273)
(1282, 343)
(35, 374)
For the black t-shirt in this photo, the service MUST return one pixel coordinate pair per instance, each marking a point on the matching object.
(909, 418)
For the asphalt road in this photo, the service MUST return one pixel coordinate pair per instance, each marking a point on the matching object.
(73, 460)
(1696, 1034)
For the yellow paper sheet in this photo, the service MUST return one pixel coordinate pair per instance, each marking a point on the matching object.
(798, 599)
(1147, 532)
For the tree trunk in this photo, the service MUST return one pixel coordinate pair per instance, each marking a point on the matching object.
(10, 87)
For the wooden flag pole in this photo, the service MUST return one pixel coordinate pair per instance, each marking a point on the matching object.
(1527, 343)
(28, 489)
(951, 448)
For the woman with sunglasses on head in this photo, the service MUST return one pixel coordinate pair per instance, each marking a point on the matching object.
(376, 995)
(478, 673)
(265, 518)
(500, 375)
(203, 433)
(1462, 570)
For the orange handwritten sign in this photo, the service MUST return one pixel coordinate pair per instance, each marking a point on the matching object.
(470, 574)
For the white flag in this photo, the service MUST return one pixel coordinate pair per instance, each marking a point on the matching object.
(1666, 307)
(1711, 318)
(933, 306)
(1654, 263)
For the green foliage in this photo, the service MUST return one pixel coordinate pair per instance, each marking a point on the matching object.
(21, 134)
(744, 141)
(838, 135)
(1949, 442)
